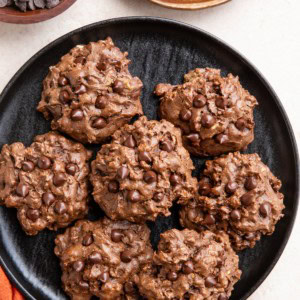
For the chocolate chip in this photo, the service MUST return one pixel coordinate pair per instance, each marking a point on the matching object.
(223, 297)
(209, 220)
(222, 138)
(99, 123)
(62, 81)
(145, 156)
(80, 60)
(78, 266)
(158, 197)
(133, 196)
(221, 102)
(71, 169)
(199, 101)
(240, 124)
(247, 199)
(166, 146)
(44, 163)
(60, 207)
(231, 187)
(210, 282)
(87, 239)
(192, 214)
(250, 183)
(118, 86)
(104, 277)
(129, 287)
(84, 285)
(235, 215)
(80, 89)
(193, 138)
(130, 142)
(150, 177)
(3, 3)
(250, 236)
(40, 3)
(28, 166)
(59, 179)
(52, 3)
(185, 115)
(48, 198)
(64, 97)
(95, 258)
(188, 268)
(175, 179)
(55, 111)
(265, 209)
(76, 114)
(172, 276)
(22, 190)
(113, 186)
(116, 235)
(204, 187)
(33, 214)
(125, 256)
(122, 172)
(101, 102)
(207, 120)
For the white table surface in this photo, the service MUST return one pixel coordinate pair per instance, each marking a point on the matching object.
(267, 32)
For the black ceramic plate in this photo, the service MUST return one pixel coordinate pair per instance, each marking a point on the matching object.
(161, 51)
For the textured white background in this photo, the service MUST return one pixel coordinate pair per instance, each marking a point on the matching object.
(267, 32)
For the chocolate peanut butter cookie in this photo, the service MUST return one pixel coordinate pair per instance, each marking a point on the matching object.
(237, 194)
(189, 265)
(90, 93)
(46, 182)
(143, 170)
(215, 113)
(102, 258)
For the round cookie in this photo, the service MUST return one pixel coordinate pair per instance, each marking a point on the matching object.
(143, 170)
(47, 182)
(189, 265)
(90, 93)
(237, 194)
(215, 113)
(102, 258)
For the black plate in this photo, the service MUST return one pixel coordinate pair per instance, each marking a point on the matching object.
(161, 51)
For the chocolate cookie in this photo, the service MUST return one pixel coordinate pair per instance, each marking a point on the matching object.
(46, 182)
(237, 194)
(143, 170)
(102, 258)
(215, 113)
(189, 265)
(90, 93)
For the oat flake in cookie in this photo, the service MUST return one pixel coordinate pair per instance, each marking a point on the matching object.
(90, 93)
(215, 113)
(237, 194)
(103, 258)
(143, 170)
(46, 182)
(189, 265)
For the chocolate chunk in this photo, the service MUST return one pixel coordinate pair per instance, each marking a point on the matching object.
(78, 266)
(87, 239)
(145, 156)
(122, 172)
(33, 214)
(199, 101)
(204, 187)
(71, 169)
(150, 177)
(48, 198)
(133, 196)
(64, 97)
(80, 89)
(210, 282)
(62, 80)
(126, 256)
(265, 209)
(28, 166)
(250, 183)
(221, 102)
(84, 285)
(207, 120)
(113, 186)
(55, 111)
(175, 179)
(235, 215)
(104, 277)
(99, 123)
(222, 138)
(60, 207)
(116, 235)
(95, 258)
(209, 220)
(77, 115)
(101, 102)
(240, 124)
(247, 199)
(80, 60)
(44, 163)
(130, 142)
(59, 179)
(193, 137)
(188, 268)
(166, 146)
(22, 190)
(185, 115)
(231, 187)
(158, 196)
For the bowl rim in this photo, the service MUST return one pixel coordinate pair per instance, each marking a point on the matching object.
(190, 6)
(183, 25)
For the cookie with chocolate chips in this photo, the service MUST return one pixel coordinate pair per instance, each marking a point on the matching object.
(47, 182)
(189, 265)
(145, 168)
(103, 258)
(237, 194)
(215, 113)
(90, 93)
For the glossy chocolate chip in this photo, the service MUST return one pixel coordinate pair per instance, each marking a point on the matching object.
(55, 110)
(240, 124)
(235, 215)
(210, 282)
(193, 138)
(64, 97)
(28, 166)
(231, 187)
(209, 220)
(116, 235)
(78, 266)
(222, 138)
(166, 146)
(22, 190)
(221, 102)
(44, 163)
(48, 198)
(145, 156)
(118, 86)
(172, 276)
(150, 177)
(80, 60)
(113, 186)
(101, 102)
(80, 89)
(158, 196)
(33, 214)
(71, 169)
(247, 199)
(125, 256)
(265, 209)
(104, 277)
(130, 142)
(59, 179)
(87, 239)
(250, 183)
(99, 123)
(60, 207)
(207, 120)
(188, 268)
(95, 258)
(76, 115)
(84, 285)
(223, 297)
(185, 115)
(122, 172)
(133, 196)
(62, 81)
(199, 101)
(175, 179)
(204, 187)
